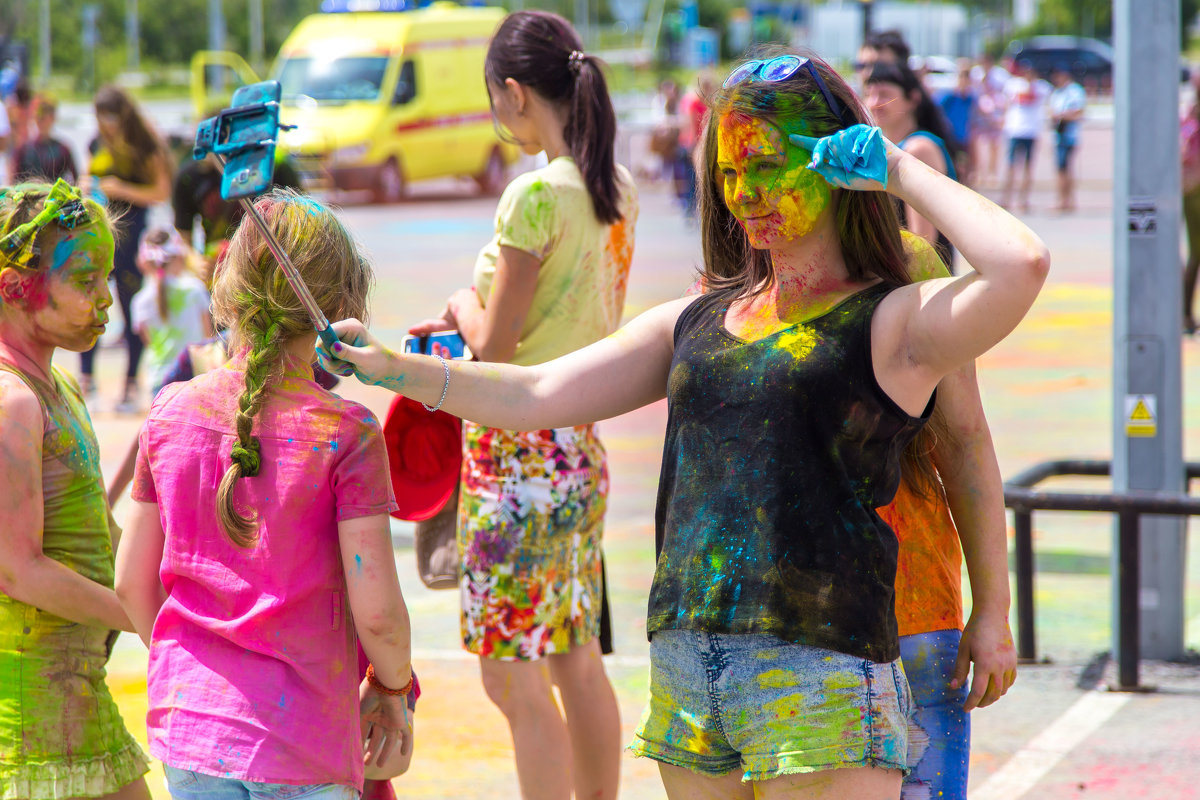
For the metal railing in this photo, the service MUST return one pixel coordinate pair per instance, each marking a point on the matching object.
(1021, 496)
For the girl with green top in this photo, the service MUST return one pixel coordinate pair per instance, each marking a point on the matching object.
(531, 511)
(60, 732)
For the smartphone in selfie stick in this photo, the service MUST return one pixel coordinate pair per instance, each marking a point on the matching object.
(242, 138)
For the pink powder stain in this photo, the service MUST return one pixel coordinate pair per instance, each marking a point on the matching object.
(766, 184)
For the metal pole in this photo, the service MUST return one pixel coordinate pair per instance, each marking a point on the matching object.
(1023, 553)
(90, 13)
(44, 39)
(256, 34)
(216, 25)
(868, 7)
(133, 54)
(1127, 600)
(1147, 318)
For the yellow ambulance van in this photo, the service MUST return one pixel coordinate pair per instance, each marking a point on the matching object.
(382, 97)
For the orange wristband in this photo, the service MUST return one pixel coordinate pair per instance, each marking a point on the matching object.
(376, 684)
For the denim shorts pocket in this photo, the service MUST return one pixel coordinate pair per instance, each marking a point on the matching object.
(903, 694)
(179, 778)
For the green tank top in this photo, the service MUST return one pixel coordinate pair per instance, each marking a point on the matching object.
(77, 523)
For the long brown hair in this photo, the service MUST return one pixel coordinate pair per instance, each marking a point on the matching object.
(540, 50)
(867, 223)
(252, 298)
(138, 137)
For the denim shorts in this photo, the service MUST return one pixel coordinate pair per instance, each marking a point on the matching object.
(1020, 148)
(187, 785)
(753, 702)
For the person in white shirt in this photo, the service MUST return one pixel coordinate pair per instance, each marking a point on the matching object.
(1067, 103)
(1023, 121)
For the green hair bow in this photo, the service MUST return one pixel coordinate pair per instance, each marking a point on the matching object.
(63, 205)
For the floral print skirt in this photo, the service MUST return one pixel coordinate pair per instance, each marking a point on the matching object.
(530, 520)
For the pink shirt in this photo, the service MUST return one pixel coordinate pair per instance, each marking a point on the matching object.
(253, 670)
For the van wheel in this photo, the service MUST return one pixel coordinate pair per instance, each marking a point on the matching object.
(389, 184)
(494, 177)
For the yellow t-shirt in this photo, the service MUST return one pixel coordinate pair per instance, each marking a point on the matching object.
(581, 283)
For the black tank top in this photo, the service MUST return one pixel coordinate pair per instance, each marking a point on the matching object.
(777, 453)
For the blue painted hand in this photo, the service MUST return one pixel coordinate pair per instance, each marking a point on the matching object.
(851, 158)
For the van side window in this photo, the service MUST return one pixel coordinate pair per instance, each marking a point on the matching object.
(406, 84)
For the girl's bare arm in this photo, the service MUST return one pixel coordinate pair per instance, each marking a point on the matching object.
(622, 372)
(138, 560)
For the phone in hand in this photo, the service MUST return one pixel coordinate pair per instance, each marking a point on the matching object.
(450, 340)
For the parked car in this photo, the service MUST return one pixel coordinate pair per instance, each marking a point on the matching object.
(1089, 60)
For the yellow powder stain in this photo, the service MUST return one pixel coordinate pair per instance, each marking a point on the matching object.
(799, 342)
(766, 655)
(776, 679)
(842, 680)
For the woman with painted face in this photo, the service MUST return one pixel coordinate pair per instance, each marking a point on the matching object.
(61, 734)
(531, 510)
(907, 116)
(130, 169)
(793, 385)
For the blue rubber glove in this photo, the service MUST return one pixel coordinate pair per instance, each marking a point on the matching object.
(852, 158)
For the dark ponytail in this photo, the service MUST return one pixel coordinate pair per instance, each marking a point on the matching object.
(542, 52)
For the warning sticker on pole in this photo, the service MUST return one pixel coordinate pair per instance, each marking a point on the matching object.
(1141, 415)
(1143, 216)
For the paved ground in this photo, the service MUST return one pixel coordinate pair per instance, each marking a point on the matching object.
(1047, 393)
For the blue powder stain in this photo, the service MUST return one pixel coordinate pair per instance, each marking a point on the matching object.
(333, 446)
(290, 441)
(358, 562)
(282, 701)
(63, 251)
(316, 449)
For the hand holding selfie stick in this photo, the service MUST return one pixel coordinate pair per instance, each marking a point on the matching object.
(242, 138)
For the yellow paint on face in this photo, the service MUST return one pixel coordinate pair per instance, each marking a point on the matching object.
(765, 181)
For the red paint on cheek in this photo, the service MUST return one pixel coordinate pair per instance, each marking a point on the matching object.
(36, 292)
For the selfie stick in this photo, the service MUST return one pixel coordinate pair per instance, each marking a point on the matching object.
(319, 321)
(246, 134)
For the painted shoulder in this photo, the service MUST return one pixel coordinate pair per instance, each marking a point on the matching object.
(923, 261)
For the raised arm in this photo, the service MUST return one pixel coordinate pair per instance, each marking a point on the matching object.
(951, 321)
(622, 372)
(27, 574)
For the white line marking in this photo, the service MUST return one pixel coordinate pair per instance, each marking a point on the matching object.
(1027, 766)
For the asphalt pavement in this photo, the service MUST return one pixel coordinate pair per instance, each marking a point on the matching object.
(1047, 392)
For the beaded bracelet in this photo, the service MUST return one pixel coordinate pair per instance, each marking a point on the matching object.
(378, 686)
(445, 387)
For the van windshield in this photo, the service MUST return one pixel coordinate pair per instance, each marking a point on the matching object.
(332, 80)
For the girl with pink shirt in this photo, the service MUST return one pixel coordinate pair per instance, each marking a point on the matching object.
(258, 552)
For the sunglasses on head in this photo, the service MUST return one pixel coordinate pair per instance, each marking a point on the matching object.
(781, 68)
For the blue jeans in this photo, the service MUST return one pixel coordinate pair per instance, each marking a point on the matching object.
(187, 785)
(939, 758)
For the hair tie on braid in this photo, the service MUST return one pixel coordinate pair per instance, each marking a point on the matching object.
(575, 61)
(249, 458)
